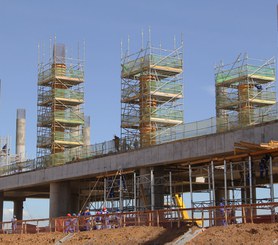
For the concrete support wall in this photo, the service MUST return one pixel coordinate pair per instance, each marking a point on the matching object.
(63, 199)
(60, 199)
(20, 134)
(18, 208)
(158, 188)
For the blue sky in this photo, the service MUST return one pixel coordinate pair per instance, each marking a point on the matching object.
(212, 31)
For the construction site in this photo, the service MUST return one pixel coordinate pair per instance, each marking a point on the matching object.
(226, 166)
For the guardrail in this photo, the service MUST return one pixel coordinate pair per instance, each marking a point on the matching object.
(182, 131)
(209, 216)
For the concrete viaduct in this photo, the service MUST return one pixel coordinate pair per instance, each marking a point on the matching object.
(60, 183)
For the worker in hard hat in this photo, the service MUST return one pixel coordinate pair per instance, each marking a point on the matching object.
(222, 211)
(98, 220)
(104, 210)
(68, 225)
(74, 222)
(106, 217)
(87, 216)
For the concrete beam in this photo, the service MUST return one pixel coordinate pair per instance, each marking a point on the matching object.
(173, 152)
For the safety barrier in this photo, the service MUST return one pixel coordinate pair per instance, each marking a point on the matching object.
(179, 132)
(209, 216)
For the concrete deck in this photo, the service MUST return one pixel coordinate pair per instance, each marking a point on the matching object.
(173, 152)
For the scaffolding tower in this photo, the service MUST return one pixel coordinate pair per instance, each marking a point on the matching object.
(60, 104)
(245, 92)
(151, 93)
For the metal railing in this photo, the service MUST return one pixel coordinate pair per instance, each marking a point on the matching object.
(179, 132)
(208, 216)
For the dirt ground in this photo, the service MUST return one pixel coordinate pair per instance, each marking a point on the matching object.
(146, 235)
(255, 234)
(233, 234)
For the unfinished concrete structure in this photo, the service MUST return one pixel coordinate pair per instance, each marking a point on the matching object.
(151, 93)
(20, 134)
(170, 158)
(60, 105)
(245, 92)
(204, 164)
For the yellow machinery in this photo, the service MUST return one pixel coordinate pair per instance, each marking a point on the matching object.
(185, 216)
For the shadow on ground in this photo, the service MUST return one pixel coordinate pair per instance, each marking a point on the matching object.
(169, 235)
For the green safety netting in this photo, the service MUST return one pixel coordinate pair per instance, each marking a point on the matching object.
(152, 59)
(58, 71)
(245, 70)
(69, 117)
(169, 87)
(69, 94)
(69, 137)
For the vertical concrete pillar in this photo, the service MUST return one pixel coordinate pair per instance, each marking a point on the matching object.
(20, 134)
(60, 199)
(1, 206)
(87, 132)
(18, 208)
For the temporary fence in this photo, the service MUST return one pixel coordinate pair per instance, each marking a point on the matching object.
(220, 215)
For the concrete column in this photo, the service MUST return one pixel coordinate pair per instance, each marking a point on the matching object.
(18, 208)
(60, 199)
(75, 204)
(20, 134)
(87, 132)
(1, 206)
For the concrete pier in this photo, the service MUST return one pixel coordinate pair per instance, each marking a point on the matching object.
(18, 208)
(60, 199)
(1, 206)
(20, 134)
(87, 132)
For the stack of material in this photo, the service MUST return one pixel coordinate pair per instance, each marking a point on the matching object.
(247, 147)
(271, 145)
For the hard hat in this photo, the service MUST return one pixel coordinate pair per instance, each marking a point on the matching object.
(68, 214)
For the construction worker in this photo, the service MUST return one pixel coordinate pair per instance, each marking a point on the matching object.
(14, 224)
(106, 217)
(87, 215)
(135, 144)
(222, 211)
(259, 87)
(98, 220)
(68, 224)
(264, 167)
(74, 222)
(117, 143)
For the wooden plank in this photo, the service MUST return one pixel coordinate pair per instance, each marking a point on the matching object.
(250, 145)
